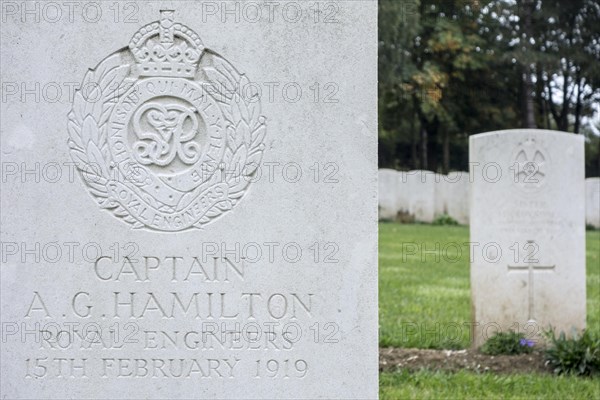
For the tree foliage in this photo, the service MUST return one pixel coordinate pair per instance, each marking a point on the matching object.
(449, 69)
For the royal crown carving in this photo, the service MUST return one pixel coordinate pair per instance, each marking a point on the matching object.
(166, 48)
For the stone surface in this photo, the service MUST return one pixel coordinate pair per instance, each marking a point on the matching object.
(527, 232)
(403, 197)
(457, 196)
(389, 194)
(421, 203)
(209, 208)
(441, 194)
(394, 196)
(592, 202)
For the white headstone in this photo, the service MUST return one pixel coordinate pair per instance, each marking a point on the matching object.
(527, 232)
(592, 202)
(421, 186)
(389, 186)
(394, 194)
(403, 197)
(457, 186)
(441, 194)
(206, 200)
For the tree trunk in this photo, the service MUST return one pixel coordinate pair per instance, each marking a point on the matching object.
(564, 114)
(445, 151)
(527, 93)
(539, 90)
(578, 102)
(414, 154)
(424, 146)
(551, 106)
(528, 99)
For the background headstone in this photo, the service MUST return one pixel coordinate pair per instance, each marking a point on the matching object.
(389, 187)
(254, 290)
(393, 196)
(403, 198)
(527, 232)
(441, 195)
(421, 186)
(592, 202)
(457, 184)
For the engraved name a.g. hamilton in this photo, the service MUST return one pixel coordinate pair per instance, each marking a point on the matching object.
(161, 133)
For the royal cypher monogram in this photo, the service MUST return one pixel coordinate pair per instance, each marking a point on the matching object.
(164, 139)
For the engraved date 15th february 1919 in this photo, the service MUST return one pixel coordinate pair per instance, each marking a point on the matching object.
(161, 368)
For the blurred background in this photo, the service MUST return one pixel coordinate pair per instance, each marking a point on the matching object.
(449, 69)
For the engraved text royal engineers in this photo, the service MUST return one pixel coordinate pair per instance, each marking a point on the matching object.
(161, 133)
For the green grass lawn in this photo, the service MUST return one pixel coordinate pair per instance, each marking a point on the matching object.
(468, 385)
(425, 303)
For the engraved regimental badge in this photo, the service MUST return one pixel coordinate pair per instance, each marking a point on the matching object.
(531, 164)
(161, 132)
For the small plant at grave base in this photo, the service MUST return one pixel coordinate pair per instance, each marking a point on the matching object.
(444, 219)
(404, 217)
(507, 343)
(579, 355)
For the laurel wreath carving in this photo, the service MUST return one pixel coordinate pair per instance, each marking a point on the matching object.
(88, 141)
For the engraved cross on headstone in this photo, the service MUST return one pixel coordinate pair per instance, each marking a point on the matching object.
(531, 267)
